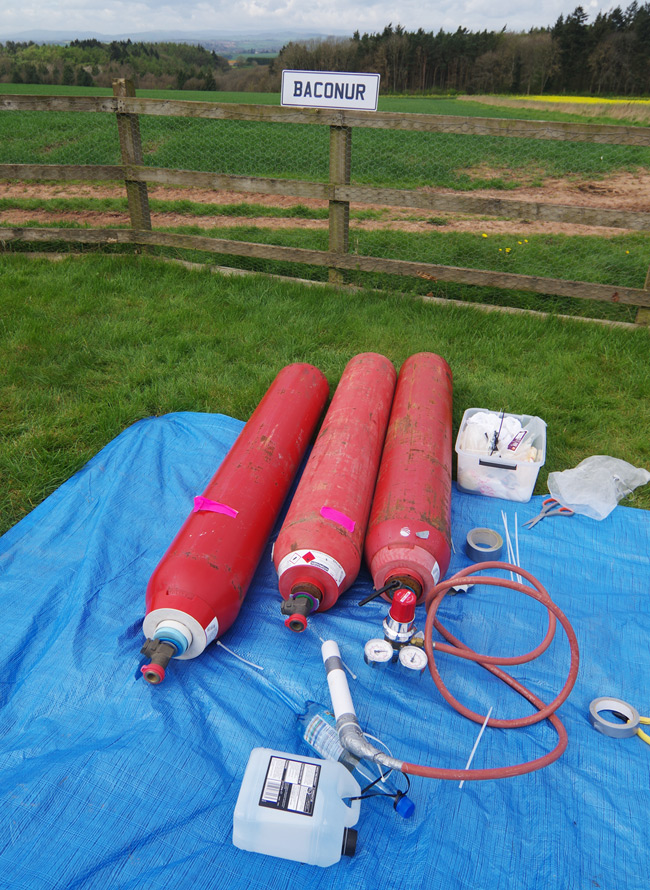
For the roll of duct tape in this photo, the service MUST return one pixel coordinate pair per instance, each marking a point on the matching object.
(614, 730)
(483, 544)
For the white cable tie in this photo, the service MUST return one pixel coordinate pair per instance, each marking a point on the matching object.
(350, 672)
(388, 751)
(234, 654)
(511, 552)
(451, 541)
(511, 557)
(517, 547)
(478, 739)
(380, 742)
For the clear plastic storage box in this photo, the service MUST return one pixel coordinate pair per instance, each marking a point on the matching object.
(507, 472)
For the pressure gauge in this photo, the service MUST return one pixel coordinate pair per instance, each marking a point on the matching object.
(378, 653)
(413, 659)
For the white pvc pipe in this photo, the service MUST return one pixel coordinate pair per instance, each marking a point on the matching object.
(337, 681)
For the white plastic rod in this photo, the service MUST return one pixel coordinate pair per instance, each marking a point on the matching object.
(478, 739)
(336, 680)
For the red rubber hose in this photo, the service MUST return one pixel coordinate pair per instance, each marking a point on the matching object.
(458, 648)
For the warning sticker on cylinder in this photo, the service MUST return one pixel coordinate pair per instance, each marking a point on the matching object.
(315, 559)
(290, 785)
(211, 630)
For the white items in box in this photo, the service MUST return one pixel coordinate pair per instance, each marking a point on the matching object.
(499, 455)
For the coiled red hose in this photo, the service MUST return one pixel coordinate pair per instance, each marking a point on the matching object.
(490, 663)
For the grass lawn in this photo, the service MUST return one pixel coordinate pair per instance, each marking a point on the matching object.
(89, 345)
(621, 260)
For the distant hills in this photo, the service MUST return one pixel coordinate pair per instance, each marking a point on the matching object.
(217, 40)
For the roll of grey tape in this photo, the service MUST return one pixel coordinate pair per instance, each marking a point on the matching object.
(483, 544)
(614, 730)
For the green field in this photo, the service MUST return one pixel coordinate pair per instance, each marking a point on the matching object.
(379, 157)
(621, 260)
(91, 344)
(410, 104)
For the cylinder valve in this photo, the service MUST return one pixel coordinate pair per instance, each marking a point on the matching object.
(399, 624)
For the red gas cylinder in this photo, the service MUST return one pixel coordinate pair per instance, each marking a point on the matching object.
(197, 589)
(408, 536)
(318, 551)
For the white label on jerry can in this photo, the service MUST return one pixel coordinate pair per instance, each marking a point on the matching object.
(314, 559)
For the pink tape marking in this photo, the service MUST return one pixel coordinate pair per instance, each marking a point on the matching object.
(201, 503)
(338, 517)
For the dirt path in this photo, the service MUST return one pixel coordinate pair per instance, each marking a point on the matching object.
(624, 191)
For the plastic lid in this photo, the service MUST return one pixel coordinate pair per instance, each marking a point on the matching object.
(402, 608)
(349, 842)
(296, 623)
(405, 807)
(153, 673)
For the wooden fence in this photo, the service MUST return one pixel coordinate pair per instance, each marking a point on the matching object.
(338, 191)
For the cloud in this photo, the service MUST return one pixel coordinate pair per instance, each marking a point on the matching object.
(325, 16)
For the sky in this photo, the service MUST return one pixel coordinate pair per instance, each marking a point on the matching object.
(319, 16)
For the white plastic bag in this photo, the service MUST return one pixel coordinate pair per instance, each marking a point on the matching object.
(596, 485)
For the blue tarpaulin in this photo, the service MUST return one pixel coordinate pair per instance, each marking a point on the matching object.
(109, 782)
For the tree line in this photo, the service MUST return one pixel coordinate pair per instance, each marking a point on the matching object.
(609, 55)
(93, 63)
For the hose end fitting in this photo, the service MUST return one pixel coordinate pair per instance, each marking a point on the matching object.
(304, 599)
(161, 653)
(153, 673)
(297, 623)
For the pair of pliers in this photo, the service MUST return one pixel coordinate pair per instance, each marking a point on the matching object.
(550, 507)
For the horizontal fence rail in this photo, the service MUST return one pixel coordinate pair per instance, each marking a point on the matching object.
(428, 271)
(339, 191)
(421, 200)
(425, 123)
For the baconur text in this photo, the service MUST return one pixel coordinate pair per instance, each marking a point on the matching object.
(329, 90)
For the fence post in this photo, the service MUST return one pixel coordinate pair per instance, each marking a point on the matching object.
(339, 215)
(643, 313)
(128, 127)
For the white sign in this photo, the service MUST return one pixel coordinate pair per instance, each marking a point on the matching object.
(330, 89)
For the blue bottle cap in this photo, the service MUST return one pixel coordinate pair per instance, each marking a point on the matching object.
(405, 807)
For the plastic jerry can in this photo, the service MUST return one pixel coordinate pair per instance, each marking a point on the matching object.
(293, 807)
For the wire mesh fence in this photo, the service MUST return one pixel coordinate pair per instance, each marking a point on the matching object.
(398, 159)
(600, 236)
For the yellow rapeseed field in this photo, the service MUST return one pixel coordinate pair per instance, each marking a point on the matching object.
(635, 111)
(587, 100)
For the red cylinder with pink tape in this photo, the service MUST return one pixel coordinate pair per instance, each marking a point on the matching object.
(318, 552)
(409, 532)
(197, 589)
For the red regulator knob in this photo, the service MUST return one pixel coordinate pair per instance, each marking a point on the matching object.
(402, 608)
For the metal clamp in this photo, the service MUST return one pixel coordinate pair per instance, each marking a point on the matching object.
(614, 730)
